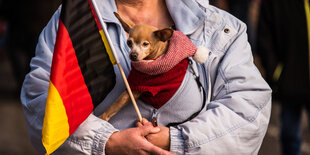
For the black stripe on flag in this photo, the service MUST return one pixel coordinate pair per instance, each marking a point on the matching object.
(91, 53)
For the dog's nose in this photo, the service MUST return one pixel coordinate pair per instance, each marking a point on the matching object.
(133, 56)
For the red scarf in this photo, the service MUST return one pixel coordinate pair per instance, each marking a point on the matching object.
(159, 79)
(158, 89)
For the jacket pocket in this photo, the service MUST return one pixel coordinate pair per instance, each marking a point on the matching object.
(222, 37)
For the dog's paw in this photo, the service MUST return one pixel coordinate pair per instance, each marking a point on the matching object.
(201, 54)
(105, 117)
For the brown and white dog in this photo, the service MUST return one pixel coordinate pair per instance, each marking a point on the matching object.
(145, 42)
(151, 46)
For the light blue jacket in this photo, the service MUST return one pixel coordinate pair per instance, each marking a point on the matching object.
(234, 122)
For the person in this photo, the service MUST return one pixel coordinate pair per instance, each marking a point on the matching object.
(283, 46)
(234, 122)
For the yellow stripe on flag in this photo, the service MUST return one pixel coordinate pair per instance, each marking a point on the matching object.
(55, 120)
(107, 46)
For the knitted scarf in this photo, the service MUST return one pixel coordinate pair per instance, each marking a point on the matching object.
(159, 79)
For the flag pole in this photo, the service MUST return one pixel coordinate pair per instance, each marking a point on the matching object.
(117, 61)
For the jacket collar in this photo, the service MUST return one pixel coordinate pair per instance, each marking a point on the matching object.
(187, 14)
(106, 8)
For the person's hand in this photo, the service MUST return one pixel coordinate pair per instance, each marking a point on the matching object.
(161, 138)
(133, 141)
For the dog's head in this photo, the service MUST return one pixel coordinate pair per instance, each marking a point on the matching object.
(145, 41)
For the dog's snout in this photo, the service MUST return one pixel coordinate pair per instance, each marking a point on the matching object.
(133, 56)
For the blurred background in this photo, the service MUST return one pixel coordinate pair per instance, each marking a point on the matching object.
(22, 21)
(20, 25)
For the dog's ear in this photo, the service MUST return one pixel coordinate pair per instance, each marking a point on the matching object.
(164, 34)
(127, 25)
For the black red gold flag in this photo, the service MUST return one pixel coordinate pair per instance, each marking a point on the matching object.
(82, 72)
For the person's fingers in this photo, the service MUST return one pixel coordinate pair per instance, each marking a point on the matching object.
(148, 129)
(143, 122)
(147, 123)
(138, 124)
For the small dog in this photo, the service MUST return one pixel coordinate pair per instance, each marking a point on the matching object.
(145, 43)
(159, 64)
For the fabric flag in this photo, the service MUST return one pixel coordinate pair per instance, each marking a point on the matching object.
(82, 72)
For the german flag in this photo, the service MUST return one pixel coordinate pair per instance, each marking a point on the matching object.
(82, 72)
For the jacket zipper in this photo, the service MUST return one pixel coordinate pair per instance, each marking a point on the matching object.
(208, 74)
(154, 117)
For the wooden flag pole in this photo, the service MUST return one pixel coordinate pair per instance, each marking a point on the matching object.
(130, 92)
(117, 61)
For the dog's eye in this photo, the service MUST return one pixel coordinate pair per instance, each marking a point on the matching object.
(129, 43)
(145, 44)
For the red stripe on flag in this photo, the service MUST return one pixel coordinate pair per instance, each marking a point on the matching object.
(95, 15)
(67, 77)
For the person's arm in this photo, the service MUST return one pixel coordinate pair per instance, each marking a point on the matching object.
(237, 117)
(92, 135)
(36, 83)
(34, 94)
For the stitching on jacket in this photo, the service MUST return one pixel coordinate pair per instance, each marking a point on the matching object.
(249, 120)
(76, 141)
(200, 21)
(229, 130)
(97, 145)
(259, 108)
(221, 71)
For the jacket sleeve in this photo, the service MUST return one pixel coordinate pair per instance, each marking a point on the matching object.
(92, 134)
(236, 119)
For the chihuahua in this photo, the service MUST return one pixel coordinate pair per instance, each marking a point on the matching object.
(145, 43)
